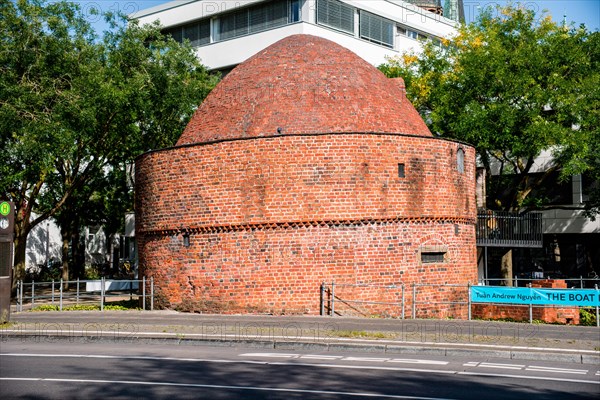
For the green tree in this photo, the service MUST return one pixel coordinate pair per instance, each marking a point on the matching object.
(513, 86)
(75, 106)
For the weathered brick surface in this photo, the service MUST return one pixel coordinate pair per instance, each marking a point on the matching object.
(303, 178)
(272, 215)
(303, 84)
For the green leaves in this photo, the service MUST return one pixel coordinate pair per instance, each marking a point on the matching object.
(512, 84)
(75, 106)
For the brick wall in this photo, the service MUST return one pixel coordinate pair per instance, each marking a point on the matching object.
(269, 219)
(305, 164)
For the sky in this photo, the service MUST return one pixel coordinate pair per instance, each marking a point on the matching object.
(578, 11)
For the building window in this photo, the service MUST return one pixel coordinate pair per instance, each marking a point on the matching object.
(415, 35)
(460, 160)
(197, 32)
(336, 15)
(432, 258)
(401, 173)
(232, 25)
(295, 10)
(376, 29)
(257, 18)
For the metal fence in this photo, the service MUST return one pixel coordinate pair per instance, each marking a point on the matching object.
(573, 283)
(329, 298)
(411, 301)
(84, 292)
(397, 300)
(509, 229)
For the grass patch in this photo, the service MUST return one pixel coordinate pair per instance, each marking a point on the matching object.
(363, 335)
(122, 305)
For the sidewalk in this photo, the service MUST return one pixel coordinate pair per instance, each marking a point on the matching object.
(456, 338)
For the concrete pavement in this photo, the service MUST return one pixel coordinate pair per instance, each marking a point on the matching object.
(454, 338)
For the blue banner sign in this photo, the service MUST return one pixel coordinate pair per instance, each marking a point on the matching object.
(537, 296)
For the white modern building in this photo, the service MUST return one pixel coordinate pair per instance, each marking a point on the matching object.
(225, 33)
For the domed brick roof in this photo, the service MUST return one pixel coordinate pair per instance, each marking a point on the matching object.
(303, 84)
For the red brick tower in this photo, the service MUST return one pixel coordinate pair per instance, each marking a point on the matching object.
(306, 164)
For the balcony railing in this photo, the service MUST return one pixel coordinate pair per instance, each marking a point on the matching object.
(508, 229)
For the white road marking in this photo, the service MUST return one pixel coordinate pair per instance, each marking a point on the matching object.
(339, 366)
(270, 355)
(366, 359)
(320, 357)
(557, 370)
(226, 387)
(343, 358)
(539, 378)
(471, 364)
(300, 364)
(501, 366)
(409, 361)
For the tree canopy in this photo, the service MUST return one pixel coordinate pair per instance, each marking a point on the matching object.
(514, 85)
(76, 106)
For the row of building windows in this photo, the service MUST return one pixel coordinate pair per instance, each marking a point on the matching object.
(340, 16)
(242, 22)
(331, 13)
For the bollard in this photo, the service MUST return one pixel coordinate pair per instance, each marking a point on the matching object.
(102, 294)
(151, 293)
(414, 301)
(469, 298)
(403, 301)
(597, 312)
(530, 305)
(22, 295)
(61, 295)
(332, 298)
(322, 304)
(52, 291)
(19, 299)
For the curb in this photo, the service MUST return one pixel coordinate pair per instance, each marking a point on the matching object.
(443, 350)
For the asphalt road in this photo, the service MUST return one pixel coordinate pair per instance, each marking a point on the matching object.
(292, 327)
(63, 370)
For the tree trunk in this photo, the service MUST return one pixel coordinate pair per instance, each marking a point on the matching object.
(19, 261)
(65, 235)
(78, 259)
(506, 268)
(22, 228)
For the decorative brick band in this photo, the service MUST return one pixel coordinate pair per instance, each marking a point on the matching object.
(299, 135)
(308, 224)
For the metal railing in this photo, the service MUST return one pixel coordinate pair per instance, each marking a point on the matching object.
(400, 299)
(508, 229)
(574, 282)
(455, 299)
(328, 298)
(93, 291)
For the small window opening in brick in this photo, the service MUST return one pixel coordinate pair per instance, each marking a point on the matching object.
(401, 173)
(433, 257)
(460, 160)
